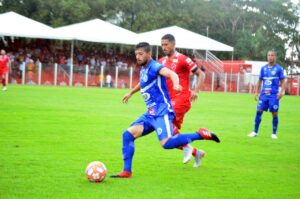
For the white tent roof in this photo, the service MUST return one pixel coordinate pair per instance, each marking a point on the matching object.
(97, 30)
(184, 39)
(17, 25)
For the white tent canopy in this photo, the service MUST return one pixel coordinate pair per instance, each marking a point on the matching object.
(97, 30)
(184, 39)
(17, 25)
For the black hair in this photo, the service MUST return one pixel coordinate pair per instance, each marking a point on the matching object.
(168, 37)
(146, 46)
(273, 51)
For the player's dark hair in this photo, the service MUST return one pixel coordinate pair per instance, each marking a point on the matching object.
(146, 46)
(273, 51)
(168, 37)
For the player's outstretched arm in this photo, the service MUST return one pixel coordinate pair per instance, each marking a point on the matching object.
(200, 79)
(258, 88)
(282, 89)
(128, 95)
(173, 76)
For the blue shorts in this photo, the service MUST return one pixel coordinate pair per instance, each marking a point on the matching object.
(268, 102)
(161, 124)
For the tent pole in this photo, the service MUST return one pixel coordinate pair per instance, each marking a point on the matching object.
(71, 64)
(231, 71)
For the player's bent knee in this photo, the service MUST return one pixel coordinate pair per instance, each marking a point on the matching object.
(136, 130)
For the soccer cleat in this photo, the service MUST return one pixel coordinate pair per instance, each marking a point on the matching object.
(199, 155)
(4, 88)
(187, 153)
(274, 136)
(207, 135)
(123, 174)
(253, 134)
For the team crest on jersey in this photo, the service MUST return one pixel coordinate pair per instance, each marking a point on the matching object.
(188, 60)
(146, 96)
(144, 77)
(273, 72)
(275, 107)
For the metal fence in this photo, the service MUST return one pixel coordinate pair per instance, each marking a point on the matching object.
(127, 77)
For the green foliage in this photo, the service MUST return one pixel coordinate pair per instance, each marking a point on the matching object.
(251, 26)
(50, 134)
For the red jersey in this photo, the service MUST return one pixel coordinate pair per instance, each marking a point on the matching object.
(4, 59)
(182, 65)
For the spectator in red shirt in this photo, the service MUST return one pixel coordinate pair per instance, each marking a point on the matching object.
(4, 61)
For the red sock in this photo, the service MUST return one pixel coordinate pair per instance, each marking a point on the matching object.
(194, 152)
(175, 130)
(3, 82)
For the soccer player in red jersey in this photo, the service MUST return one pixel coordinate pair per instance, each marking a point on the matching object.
(4, 60)
(181, 101)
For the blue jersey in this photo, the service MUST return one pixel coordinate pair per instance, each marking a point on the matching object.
(154, 89)
(271, 77)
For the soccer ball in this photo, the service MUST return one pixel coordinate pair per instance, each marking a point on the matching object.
(96, 171)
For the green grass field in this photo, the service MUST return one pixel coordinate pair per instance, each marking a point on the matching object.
(48, 135)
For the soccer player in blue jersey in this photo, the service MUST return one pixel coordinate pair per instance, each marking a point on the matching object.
(160, 113)
(271, 86)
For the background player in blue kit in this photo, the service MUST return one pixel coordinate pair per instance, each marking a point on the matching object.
(160, 113)
(272, 90)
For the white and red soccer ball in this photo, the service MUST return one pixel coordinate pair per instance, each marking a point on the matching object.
(96, 171)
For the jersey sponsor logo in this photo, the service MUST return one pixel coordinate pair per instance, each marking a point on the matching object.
(146, 96)
(270, 78)
(151, 111)
(268, 82)
(151, 105)
(267, 92)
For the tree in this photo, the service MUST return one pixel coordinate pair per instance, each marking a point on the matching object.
(251, 26)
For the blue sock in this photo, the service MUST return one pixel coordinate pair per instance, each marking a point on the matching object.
(128, 150)
(180, 140)
(275, 124)
(257, 121)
